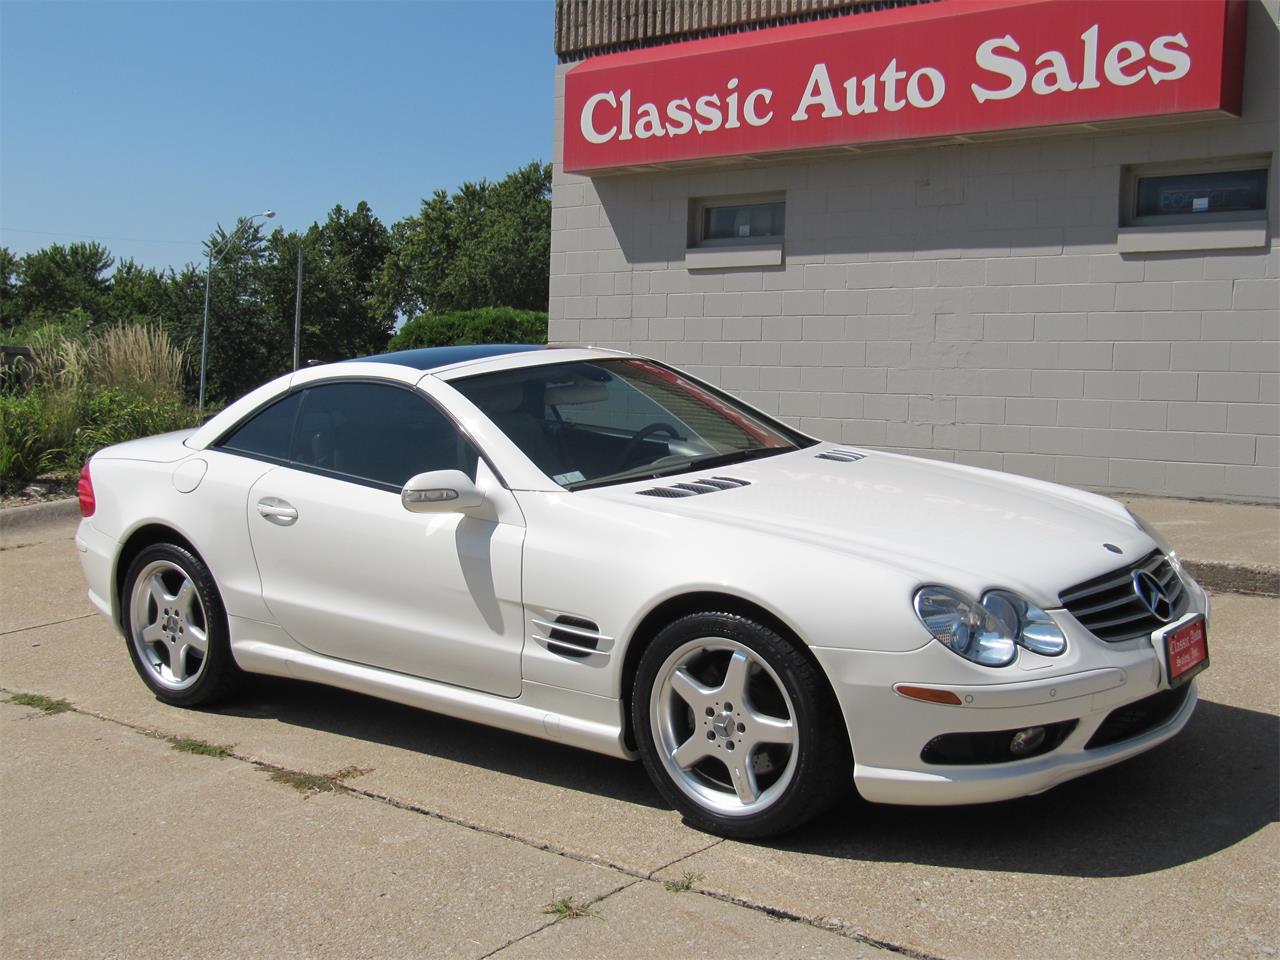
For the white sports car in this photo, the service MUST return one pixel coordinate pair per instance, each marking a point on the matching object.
(596, 548)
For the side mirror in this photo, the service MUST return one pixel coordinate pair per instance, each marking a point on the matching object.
(441, 491)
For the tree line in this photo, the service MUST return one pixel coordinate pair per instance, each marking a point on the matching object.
(487, 244)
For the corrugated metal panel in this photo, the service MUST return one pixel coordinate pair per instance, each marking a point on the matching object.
(588, 27)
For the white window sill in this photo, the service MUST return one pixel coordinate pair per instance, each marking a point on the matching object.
(728, 257)
(1164, 238)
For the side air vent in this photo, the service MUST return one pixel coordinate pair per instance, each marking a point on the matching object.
(840, 456)
(694, 487)
(575, 637)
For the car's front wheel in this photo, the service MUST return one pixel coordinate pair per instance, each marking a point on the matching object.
(737, 727)
(176, 628)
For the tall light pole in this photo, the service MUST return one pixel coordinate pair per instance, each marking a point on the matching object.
(214, 256)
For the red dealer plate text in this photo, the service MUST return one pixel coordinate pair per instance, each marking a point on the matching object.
(942, 69)
(1186, 651)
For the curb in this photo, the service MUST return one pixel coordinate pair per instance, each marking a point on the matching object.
(1235, 578)
(16, 521)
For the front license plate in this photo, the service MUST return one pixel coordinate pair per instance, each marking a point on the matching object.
(1186, 651)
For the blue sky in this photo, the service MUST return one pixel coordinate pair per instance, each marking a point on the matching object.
(153, 121)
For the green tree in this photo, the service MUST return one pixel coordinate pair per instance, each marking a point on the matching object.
(61, 282)
(488, 244)
(342, 259)
(8, 289)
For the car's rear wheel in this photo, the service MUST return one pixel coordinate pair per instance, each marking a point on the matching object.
(176, 628)
(737, 727)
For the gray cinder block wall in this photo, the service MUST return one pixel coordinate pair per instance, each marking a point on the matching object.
(963, 302)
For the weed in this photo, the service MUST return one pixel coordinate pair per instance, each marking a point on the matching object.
(684, 883)
(567, 908)
(200, 747)
(310, 783)
(40, 702)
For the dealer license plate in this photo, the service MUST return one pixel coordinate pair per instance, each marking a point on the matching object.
(1186, 651)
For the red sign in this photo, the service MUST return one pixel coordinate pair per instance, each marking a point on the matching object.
(934, 70)
(1187, 649)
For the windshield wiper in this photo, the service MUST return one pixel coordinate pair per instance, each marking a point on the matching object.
(710, 461)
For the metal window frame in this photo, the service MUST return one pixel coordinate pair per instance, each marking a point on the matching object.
(699, 205)
(1131, 174)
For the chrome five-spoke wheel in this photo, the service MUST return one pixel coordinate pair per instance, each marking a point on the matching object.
(737, 726)
(169, 625)
(175, 626)
(723, 724)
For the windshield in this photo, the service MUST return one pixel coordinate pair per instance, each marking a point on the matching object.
(598, 422)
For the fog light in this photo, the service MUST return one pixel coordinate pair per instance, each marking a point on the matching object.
(1026, 741)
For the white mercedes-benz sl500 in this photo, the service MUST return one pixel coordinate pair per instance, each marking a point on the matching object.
(599, 549)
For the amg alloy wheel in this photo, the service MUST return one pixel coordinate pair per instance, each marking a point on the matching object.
(175, 627)
(737, 727)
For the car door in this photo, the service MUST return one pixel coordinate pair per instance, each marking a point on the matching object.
(351, 574)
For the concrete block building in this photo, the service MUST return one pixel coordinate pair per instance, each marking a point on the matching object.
(1030, 235)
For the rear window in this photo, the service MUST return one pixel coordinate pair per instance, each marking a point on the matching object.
(268, 433)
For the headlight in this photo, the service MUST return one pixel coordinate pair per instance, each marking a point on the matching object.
(966, 627)
(1029, 625)
(987, 632)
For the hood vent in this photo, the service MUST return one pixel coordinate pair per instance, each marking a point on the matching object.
(694, 487)
(841, 456)
(575, 637)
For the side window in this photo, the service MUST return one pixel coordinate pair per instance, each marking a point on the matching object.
(369, 431)
(267, 433)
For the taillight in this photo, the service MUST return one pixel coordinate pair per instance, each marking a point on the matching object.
(84, 490)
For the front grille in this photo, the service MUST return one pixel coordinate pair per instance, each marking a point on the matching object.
(1109, 607)
(1137, 718)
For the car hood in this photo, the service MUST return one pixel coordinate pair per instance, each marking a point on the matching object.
(966, 526)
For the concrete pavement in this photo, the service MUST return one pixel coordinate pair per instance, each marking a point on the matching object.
(116, 844)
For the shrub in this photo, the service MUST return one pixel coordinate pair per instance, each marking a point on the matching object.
(486, 325)
(84, 395)
(30, 434)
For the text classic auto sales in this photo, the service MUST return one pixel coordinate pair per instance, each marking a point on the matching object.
(1005, 75)
(895, 75)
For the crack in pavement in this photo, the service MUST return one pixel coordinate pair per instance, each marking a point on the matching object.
(827, 924)
(552, 923)
(51, 623)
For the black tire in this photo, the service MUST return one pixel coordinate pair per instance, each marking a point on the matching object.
(213, 675)
(817, 762)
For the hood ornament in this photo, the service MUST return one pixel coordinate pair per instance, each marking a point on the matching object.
(1152, 595)
(1113, 548)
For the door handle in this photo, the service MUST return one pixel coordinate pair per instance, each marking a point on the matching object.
(277, 511)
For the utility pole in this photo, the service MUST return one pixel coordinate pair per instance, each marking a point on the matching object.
(297, 316)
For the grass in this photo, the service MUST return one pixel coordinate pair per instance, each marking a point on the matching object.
(309, 783)
(199, 747)
(40, 702)
(684, 883)
(567, 908)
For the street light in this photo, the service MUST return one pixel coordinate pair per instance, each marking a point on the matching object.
(214, 256)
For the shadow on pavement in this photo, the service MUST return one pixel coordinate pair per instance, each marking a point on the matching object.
(1212, 786)
(354, 715)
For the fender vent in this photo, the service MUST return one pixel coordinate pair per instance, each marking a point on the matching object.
(694, 487)
(841, 456)
(575, 637)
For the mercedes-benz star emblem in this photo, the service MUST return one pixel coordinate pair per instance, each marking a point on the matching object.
(1152, 595)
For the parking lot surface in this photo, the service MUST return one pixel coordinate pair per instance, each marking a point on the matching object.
(338, 825)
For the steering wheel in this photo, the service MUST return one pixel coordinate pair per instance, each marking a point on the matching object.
(640, 436)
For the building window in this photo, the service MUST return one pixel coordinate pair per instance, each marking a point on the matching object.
(727, 232)
(1202, 205)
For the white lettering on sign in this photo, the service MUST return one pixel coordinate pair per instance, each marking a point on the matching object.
(1008, 68)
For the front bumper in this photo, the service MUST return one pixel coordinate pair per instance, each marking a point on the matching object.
(888, 731)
